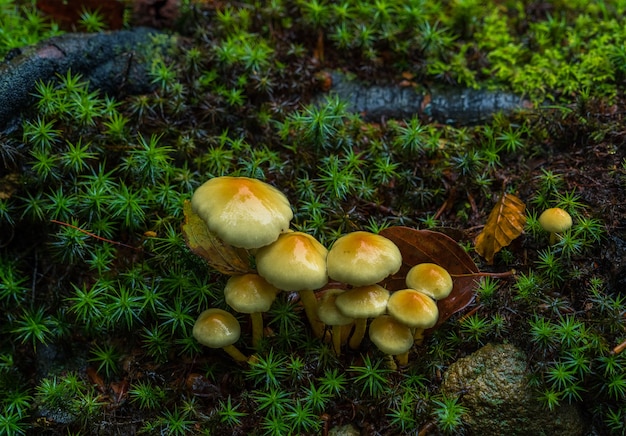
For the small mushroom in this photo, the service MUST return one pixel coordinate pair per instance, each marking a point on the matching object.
(555, 220)
(415, 310)
(251, 293)
(216, 328)
(391, 337)
(362, 303)
(363, 258)
(330, 315)
(431, 279)
(242, 212)
(296, 261)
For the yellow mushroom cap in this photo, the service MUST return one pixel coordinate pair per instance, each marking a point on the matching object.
(363, 258)
(413, 308)
(555, 220)
(296, 261)
(363, 302)
(216, 328)
(249, 293)
(430, 279)
(243, 212)
(328, 312)
(390, 336)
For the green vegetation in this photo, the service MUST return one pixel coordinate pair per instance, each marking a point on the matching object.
(99, 292)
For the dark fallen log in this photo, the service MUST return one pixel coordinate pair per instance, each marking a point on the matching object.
(110, 61)
(451, 106)
(113, 63)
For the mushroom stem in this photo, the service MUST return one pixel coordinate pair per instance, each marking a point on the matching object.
(257, 328)
(553, 238)
(403, 358)
(418, 336)
(336, 333)
(391, 363)
(309, 301)
(360, 325)
(235, 353)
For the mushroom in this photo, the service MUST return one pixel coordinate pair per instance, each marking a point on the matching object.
(431, 279)
(296, 261)
(415, 310)
(362, 303)
(391, 337)
(330, 315)
(363, 258)
(216, 328)
(242, 212)
(250, 293)
(555, 220)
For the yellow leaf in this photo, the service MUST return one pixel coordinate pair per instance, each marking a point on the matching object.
(505, 223)
(204, 243)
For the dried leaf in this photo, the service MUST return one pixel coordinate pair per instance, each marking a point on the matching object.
(201, 241)
(505, 223)
(419, 246)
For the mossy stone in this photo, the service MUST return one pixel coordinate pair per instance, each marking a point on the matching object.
(493, 386)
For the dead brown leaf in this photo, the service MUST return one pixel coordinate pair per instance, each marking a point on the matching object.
(420, 246)
(201, 241)
(505, 223)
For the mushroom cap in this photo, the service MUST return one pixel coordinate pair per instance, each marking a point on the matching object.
(249, 293)
(390, 336)
(363, 302)
(327, 310)
(363, 258)
(243, 212)
(555, 220)
(413, 308)
(294, 262)
(216, 328)
(431, 279)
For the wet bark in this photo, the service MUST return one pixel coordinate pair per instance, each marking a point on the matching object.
(451, 105)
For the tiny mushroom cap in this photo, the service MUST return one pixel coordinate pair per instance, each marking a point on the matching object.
(414, 309)
(390, 336)
(362, 303)
(430, 279)
(249, 293)
(216, 328)
(243, 212)
(363, 258)
(294, 262)
(555, 220)
(328, 312)
(330, 315)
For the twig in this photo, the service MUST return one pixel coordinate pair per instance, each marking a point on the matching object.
(93, 235)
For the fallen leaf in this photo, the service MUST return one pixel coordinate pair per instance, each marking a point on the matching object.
(505, 223)
(420, 246)
(204, 243)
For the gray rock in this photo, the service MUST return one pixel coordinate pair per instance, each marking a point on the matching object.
(493, 386)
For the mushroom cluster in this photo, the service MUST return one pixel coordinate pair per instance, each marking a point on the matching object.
(253, 215)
